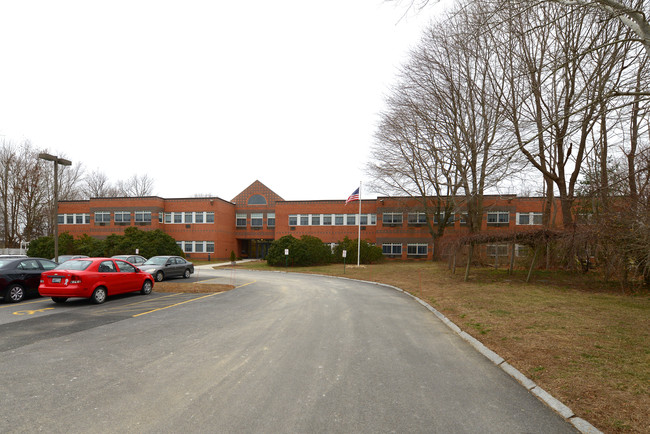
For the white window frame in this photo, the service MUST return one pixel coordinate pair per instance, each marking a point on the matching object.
(421, 249)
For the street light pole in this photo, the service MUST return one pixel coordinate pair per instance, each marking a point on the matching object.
(63, 162)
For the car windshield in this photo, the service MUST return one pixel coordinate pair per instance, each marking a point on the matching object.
(74, 265)
(157, 260)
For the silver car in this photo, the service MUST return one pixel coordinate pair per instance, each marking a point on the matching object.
(136, 260)
(164, 267)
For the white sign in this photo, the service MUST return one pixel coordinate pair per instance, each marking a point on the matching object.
(345, 253)
(286, 252)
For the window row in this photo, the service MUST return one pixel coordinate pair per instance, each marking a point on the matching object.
(187, 217)
(256, 220)
(332, 219)
(414, 249)
(493, 218)
(136, 216)
(196, 246)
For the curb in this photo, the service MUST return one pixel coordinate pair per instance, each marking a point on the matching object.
(556, 405)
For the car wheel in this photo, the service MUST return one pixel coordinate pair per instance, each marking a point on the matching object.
(15, 293)
(59, 299)
(99, 295)
(160, 276)
(146, 287)
(187, 273)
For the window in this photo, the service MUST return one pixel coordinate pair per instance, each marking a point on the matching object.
(293, 220)
(189, 217)
(417, 218)
(188, 246)
(391, 249)
(198, 246)
(161, 217)
(521, 250)
(168, 217)
(315, 220)
(209, 246)
(209, 217)
(364, 219)
(351, 219)
(417, 249)
(497, 249)
(122, 217)
(529, 218)
(270, 220)
(198, 217)
(498, 217)
(373, 219)
(256, 199)
(60, 219)
(106, 267)
(240, 220)
(463, 218)
(79, 218)
(143, 216)
(304, 220)
(178, 217)
(125, 267)
(102, 217)
(442, 218)
(327, 220)
(257, 220)
(69, 219)
(338, 219)
(392, 218)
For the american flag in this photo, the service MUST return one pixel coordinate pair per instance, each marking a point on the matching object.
(354, 196)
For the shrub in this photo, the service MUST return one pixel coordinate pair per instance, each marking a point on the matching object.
(369, 253)
(307, 250)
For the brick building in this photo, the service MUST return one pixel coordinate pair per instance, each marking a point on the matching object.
(210, 227)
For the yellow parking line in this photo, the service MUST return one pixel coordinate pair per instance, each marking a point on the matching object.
(20, 304)
(187, 301)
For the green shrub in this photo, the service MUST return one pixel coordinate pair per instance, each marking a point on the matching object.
(307, 250)
(369, 253)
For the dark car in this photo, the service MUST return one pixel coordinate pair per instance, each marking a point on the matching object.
(19, 277)
(93, 278)
(164, 267)
(136, 260)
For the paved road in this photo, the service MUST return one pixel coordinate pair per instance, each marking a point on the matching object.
(282, 353)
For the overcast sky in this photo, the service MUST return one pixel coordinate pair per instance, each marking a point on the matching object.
(205, 97)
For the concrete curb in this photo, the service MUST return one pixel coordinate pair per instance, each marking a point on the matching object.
(556, 405)
(580, 424)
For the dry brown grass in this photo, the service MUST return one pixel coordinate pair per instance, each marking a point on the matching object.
(197, 288)
(586, 343)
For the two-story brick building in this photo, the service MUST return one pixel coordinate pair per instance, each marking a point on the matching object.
(210, 227)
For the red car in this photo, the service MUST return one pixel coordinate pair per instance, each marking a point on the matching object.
(94, 278)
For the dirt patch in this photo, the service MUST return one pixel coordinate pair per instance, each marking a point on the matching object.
(191, 288)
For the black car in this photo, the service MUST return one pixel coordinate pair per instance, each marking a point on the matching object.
(19, 278)
(163, 267)
(136, 260)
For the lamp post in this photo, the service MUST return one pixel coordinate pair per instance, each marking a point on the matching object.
(63, 162)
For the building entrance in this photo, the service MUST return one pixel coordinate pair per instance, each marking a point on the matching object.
(255, 249)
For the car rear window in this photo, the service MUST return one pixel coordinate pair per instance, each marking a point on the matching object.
(74, 265)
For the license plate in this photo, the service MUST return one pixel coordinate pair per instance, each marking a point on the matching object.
(56, 280)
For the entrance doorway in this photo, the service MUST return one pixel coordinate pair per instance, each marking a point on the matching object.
(256, 249)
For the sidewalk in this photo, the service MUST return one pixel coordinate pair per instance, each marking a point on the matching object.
(221, 264)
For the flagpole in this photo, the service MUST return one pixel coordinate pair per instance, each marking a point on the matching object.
(359, 237)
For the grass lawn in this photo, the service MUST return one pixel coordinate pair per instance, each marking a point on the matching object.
(586, 343)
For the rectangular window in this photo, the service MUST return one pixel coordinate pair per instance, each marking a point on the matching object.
(373, 219)
(293, 220)
(521, 250)
(79, 219)
(270, 220)
(143, 216)
(497, 249)
(60, 219)
(102, 217)
(498, 217)
(257, 220)
(168, 217)
(391, 249)
(189, 217)
(198, 246)
(198, 217)
(327, 220)
(304, 220)
(209, 246)
(351, 219)
(209, 217)
(529, 218)
(178, 217)
(417, 249)
(161, 217)
(188, 246)
(417, 218)
(69, 219)
(392, 218)
(240, 220)
(122, 217)
(338, 220)
(315, 219)
(364, 219)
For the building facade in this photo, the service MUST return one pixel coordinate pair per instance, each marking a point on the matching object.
(210, 228)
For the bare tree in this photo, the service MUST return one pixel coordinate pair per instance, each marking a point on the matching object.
(97, 184)
(136, 186)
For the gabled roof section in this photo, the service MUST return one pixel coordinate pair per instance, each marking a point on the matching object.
(257, 194)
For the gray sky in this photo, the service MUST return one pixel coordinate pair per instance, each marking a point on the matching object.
(205, 97)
